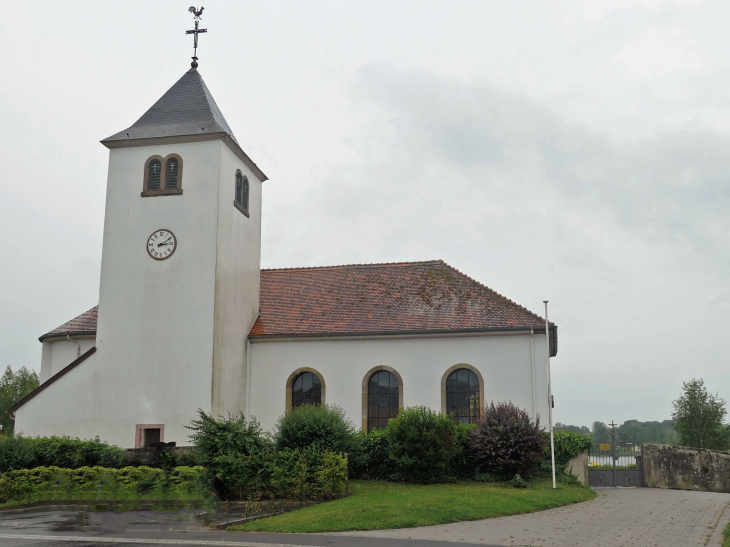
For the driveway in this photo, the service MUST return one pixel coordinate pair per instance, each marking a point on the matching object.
(617, 517)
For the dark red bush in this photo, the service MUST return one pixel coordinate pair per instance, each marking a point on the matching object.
(506, 442)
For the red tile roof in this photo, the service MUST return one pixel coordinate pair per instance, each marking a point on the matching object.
(83, 324)
(408, 297)
(370, 299)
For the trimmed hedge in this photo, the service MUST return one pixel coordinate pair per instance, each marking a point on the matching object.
(101, 483)
(30, 452)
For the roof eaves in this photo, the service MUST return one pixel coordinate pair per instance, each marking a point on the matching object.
(174, 139)
(428, 332)
(66, 333)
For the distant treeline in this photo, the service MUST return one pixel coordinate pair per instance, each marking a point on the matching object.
(630, 431)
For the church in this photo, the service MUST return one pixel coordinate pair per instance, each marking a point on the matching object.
(188, 320)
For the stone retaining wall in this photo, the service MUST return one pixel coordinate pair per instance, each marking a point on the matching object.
(686, 468)
(578, 466)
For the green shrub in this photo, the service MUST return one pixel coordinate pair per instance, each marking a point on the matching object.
(248, 464)
(322, 426)
(517, 482)
(375, 463)
(100, 483)
(567, 445)
(29, 452)
(421, 445)
(506, 442)
(373, 460)
(306, 473)
(463, 464)
(231, 436)
(233, 449)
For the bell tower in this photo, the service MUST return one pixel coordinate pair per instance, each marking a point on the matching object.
(180, 270)
(180, 279)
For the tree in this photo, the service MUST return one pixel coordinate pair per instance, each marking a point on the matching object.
(600, 432)
(698, 417)
(13, 387)
(572, 428)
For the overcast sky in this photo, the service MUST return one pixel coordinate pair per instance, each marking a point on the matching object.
(570, 150)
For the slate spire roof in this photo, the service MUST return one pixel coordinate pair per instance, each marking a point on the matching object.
(186, 112)
(187, 108)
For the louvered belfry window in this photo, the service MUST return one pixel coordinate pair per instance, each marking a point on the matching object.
(462, 396)
(171, 171)
(383, 399)
(306, 390)
(239, 189)
(155, 175)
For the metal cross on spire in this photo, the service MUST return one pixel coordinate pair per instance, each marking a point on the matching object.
(197, 13)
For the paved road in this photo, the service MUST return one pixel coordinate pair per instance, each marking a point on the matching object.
(617, 517)
(73, 528)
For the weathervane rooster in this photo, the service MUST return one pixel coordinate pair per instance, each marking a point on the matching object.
(197, 13)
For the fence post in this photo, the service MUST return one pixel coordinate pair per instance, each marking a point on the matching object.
(613, 450)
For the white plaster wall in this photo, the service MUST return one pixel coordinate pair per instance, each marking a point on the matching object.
(238, 274)
(59, 354)
(66, 406)
(504, 361)
(46, 352)
(155, 330)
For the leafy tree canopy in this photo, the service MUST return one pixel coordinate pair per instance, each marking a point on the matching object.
(13, 387)
(698, 417)
(630, 431)
(572, 428)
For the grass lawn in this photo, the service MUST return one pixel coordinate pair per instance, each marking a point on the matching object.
(726, 535)
(378, 505)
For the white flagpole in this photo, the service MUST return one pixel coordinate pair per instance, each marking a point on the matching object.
(550, 394)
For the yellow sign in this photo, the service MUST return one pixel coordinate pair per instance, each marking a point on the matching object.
(605, 446)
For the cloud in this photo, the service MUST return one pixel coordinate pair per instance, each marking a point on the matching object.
(626, 239)
(595, 10)
(656, 53)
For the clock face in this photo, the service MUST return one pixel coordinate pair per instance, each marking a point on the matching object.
(161, 244)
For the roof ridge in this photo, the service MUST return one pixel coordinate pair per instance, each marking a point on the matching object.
(492, 290)
(361, 265)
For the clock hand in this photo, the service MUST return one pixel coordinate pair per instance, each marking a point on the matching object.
(164, 242)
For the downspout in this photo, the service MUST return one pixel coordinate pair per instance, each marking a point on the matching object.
(248, 377)
(532, 369)
(78, 346)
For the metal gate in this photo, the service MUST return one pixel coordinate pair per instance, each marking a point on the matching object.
(614, 461)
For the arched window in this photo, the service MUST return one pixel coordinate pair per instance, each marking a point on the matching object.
(241, 201)
(463, 396)
(163, 176)
(171, 172)
(306, 390)
(154, 176)
(239, 188)
(244, 201)
(383, 399)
